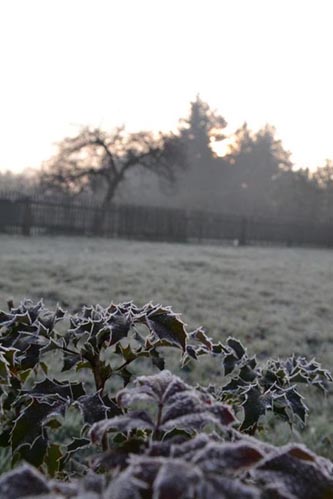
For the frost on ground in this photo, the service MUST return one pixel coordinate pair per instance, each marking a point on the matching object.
(278, 300)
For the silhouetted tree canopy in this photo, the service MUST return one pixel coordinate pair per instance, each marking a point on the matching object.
(297, 195)
(323, 177)
(256, 160)
(199, 131)
(183, 170)
(95, 159)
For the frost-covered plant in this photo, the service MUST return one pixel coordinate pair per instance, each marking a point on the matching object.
(102, 341)
(206, 467)
(158, 437)
(176, 461)
(256, 388)
(171, 405)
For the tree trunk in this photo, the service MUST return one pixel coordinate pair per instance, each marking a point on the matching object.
(101, 212)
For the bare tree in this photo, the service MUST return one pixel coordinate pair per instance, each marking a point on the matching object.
(94, 157)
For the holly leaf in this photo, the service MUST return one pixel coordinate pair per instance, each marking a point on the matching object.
(300, 476)
(296, 403)
(93, 408)
(157, 360)
(130, 421)
(54, 389)
(255, 405)
(200, 336)
(33, 454)
(120, 325)
(166, 326)
(70, 360)
(76, 445)
(237, 347)
(29, 425)
(52, 459)
(229, 362)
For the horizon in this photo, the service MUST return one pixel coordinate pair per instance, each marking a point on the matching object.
(104, 64)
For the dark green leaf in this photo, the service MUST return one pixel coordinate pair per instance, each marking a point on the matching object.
(236, 346)
(56, 389)
(77, 443)
(28, 426)
(70, 360)
(255, 405)
(229, 362)
(157, 360)
(93, 408)
(52, 459)
(200, 335)
(296, 402)
(247, 373)
(165, 325)
(120, 325)
(34, 453)
(126, 375)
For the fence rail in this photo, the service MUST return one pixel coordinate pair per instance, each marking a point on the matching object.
(33, 215)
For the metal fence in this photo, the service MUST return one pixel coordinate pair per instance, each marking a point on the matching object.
(29, 216)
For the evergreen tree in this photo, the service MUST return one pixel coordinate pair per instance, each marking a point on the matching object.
(199, 131)
(256, 160)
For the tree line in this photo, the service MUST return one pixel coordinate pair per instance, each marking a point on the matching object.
(255, 174)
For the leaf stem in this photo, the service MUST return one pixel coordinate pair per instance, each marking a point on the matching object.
(124, 364)
(99, 384)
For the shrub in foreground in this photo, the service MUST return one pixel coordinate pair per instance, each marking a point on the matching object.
(158, 437)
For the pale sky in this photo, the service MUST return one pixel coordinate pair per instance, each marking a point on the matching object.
(68, 63)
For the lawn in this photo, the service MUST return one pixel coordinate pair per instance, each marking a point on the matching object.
(277, 300)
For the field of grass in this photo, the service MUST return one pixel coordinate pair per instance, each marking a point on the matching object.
(277, 300)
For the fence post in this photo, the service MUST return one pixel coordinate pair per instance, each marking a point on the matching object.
(243, 232)
(27, 218)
